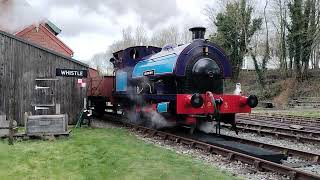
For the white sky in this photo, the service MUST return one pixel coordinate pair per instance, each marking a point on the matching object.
(90, 26)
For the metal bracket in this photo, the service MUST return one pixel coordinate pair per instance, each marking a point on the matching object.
(40, 87)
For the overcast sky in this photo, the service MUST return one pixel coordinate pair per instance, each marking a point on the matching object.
(90, 26)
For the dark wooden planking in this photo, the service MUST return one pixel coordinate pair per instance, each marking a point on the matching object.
(47, 124)
(20, 64)
(2, 75)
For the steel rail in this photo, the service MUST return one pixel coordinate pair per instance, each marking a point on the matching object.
(287, 115)
(279, 128)
(311, 127)
(276, 134)
(258, 163)
(284, 118)
(312, 157)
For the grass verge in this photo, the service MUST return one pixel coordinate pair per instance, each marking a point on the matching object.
(295, 112)
(99, 154)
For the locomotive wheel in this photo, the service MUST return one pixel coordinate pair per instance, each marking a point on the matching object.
(99, 112)
(145, 121)
(100, 108)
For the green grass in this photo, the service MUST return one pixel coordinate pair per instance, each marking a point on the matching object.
(99, 154)
(304, 113)
(294, 112)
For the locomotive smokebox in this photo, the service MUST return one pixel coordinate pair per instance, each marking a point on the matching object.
(198, 32)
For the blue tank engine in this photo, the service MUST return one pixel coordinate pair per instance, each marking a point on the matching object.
(183, 83)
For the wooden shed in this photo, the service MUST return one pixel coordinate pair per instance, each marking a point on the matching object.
(37, 80)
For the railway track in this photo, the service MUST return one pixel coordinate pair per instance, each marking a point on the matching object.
(312, 158)
(284, 118)
(278, 127)
(260, 164)
(261, 125)
(276, 134)
(307, 127)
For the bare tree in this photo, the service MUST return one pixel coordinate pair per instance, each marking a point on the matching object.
(127, 39)
(165, 36)
(261, 69)
(303, 29)
(161, 37)
(101, 62)
(315, 55)
(140, 37)
(280, 8)
(185, 36)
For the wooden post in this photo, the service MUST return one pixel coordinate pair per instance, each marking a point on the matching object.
(11, 111)
(12, 101)
(11, 131)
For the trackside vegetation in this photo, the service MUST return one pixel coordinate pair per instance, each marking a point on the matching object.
(99, 154)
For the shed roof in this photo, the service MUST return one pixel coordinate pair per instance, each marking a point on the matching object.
(49, 34)
(53, 27)
(42, 48)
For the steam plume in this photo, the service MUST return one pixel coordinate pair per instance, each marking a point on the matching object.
(150, 118)
(16, 15)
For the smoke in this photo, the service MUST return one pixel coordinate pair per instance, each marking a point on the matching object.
(147, 116)
(16, 15)
(151, 119)
(157, 120)
(151, 12)
(207, 127)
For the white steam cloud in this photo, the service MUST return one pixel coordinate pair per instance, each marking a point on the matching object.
(16, 15)
(151, 12)
(207, 127)
(149, 118)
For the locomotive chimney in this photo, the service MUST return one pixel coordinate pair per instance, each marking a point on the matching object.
(198, 32)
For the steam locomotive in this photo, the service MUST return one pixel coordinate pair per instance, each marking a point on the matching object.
(183, 84)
